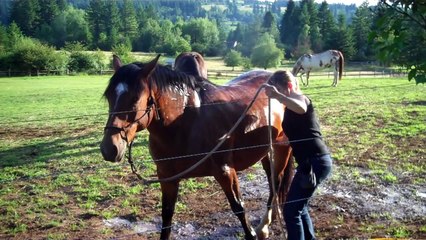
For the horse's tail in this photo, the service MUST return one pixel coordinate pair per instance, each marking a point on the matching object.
(341, 63)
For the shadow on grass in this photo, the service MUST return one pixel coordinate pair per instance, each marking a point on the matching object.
(44, 151)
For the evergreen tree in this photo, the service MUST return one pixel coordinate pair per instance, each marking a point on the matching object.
(303, 40)
(361, 27)
(314, 30)
(112, 24)
(290, 28)
(129, 21)
(270, 25)
(96, 20)
(25, 14)
(48, 11)
(341, 39)
(327, 24)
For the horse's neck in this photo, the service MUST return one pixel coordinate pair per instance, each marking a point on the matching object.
(174, 103)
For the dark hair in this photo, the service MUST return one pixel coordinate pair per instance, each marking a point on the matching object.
(280, 78)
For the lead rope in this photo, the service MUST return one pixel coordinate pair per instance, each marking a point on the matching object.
(275, 203)
(181, 174)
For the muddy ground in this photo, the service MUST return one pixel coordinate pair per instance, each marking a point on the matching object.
(340, 209)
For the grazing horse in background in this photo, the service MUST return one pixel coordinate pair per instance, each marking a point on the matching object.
(191, 63)
(185, 125)
(309, 62)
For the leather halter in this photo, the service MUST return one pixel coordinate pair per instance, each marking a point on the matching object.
(151, 103)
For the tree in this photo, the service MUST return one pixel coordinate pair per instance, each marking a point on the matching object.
(112, 24)
(266, 54)
(361, 28)
(341, 39)
(233, 58)
(96, 20)
(288, 28)
(303, 40)
(315, 36)
(398, 32)
(327, 24)
(25, 14)
(48, 11)
(129, 21)
(203, 32)
(270, 25)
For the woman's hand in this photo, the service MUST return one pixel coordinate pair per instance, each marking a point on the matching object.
(271, 91)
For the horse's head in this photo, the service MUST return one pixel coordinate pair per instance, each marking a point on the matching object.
(191, 63)
(131, 106)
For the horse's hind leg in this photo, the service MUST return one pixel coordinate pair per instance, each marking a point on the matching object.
(228, 180)
(168, 199)
(336, 73)
(301, 78)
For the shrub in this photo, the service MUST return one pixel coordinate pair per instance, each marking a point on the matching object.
(80, 61)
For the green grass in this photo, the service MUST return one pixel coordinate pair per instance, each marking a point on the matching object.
(52, 174)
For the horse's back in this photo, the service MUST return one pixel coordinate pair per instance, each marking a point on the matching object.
(248, 78)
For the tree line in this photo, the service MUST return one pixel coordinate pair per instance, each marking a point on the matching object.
(258, 38)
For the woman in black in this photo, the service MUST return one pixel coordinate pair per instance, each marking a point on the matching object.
(301, 126)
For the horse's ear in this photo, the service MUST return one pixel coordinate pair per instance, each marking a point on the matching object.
(116, 62)
(149, 67)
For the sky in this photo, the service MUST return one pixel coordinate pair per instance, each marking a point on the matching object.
(348, 2)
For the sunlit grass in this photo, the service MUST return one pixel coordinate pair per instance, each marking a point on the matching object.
(51, 128)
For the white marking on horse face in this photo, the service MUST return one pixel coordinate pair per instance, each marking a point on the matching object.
(119, 90)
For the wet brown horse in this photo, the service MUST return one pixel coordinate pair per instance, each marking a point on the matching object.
(191, 63)
(184, 125)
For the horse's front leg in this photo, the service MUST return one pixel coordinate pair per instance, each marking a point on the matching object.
(262, 230)
(282, 179)
(169, 196)
(228, 180)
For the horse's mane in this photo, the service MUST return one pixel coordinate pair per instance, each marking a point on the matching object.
(163, 77)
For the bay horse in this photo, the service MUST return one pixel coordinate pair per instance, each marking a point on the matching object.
(184, 125)
(191, 63)
(309, 62)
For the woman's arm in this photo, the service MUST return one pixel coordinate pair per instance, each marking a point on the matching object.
(296, 103)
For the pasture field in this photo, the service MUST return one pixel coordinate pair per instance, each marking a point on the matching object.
(54, 183)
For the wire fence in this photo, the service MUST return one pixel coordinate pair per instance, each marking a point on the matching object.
(125, 166)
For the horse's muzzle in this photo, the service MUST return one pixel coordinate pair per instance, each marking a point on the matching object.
(112, 152)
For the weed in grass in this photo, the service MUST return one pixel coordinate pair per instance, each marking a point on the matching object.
(389, 177)
(422, 229)
(89, 204)
(110, 213)
(400, 232)
(18, 228)
(135, 190)
(57, 236)
(52, 224)
(106, 231)
(180, 207)
(250, 176)
(192, 185)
